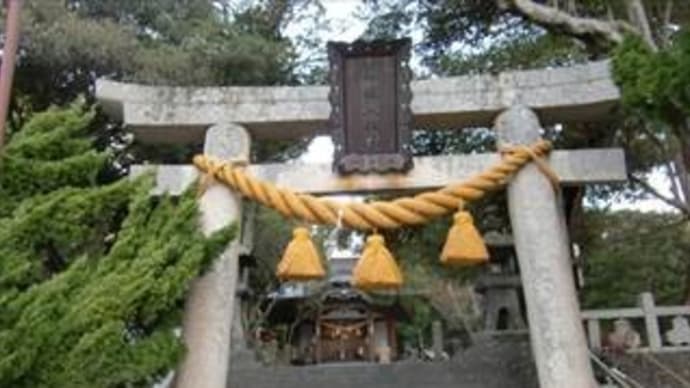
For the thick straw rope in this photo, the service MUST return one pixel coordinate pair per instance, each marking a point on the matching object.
(404, 211)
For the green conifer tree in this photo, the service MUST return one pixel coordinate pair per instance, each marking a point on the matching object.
(92, 277)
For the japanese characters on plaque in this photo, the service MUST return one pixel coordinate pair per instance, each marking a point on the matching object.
(370, 106)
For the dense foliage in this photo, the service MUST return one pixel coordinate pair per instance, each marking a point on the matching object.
(68, 44)
(92, 276)
(630, 252)
(655, 84)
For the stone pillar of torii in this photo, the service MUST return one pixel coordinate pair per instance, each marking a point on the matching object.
(511, 102)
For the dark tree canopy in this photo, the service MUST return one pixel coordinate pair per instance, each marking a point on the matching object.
(65, 46)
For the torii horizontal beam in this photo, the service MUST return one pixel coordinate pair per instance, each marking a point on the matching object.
(182, 114)
(573, 167)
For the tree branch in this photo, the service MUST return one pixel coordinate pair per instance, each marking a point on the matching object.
(670, 162)
(654, 139)
(675, 178)
(654, 192)
(638, 16)
(609, 32)
(668, 14)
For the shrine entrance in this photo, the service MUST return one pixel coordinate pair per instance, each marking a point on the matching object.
(345, 325)
(346, 328)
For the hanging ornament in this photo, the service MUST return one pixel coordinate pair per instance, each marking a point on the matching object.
(464, 245)
(376, 269)
(301, 261)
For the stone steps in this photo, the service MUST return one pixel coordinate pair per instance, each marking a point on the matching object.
(399, 375)
(489, 364)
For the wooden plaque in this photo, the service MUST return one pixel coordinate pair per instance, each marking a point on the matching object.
(370, 106)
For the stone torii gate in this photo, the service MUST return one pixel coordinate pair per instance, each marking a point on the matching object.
(229, 117)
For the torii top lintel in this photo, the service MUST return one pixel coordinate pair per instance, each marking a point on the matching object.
(583, 92)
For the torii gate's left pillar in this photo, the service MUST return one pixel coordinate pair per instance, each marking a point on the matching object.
(209, 307)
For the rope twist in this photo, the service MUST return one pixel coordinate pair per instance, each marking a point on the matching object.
(404, 211)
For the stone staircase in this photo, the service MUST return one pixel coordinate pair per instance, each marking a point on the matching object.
(399, 375)
(490, 364)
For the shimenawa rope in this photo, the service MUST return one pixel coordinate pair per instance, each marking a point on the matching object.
(397, 213)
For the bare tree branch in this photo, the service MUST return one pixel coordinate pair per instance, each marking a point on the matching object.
(654, 192)
(670, 161)
(638, 16)
(609, 12)
(678, 184)
(668, 11)
(675, 180)
(610, 32)
(668, 14)
(654, 139)
(681, 171)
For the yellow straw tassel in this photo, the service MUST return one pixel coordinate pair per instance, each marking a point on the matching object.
(376, 269)
(301, 260)
(464, 245)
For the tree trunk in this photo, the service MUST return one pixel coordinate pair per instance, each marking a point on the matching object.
(638, 17)
(590, 30)
(687, 278)
(682, 163)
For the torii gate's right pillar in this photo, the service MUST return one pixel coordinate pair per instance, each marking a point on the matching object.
(541, 242)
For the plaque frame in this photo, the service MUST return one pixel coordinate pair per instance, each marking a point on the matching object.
(346, 161)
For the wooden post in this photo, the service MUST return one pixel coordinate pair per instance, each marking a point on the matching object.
(437, 340)
(371, 337)
(650, 321)
(558, 340)
(594, 333)
(209, 309)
